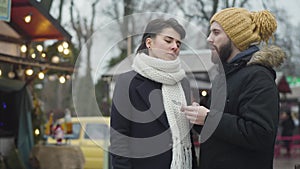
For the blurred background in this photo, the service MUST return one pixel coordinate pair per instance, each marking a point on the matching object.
(63, 55)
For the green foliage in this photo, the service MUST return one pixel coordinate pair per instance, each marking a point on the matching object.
(118, 59)
(38, 119)
(102, 96)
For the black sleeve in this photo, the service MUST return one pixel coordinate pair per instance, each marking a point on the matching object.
(120, 127)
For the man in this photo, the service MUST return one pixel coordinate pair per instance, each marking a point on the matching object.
(240, 127)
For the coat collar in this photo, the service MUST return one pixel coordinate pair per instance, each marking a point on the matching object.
(240, 60)
(244, 58)
(242, 55)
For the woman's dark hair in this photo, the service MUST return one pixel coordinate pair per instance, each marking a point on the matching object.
(155, 27)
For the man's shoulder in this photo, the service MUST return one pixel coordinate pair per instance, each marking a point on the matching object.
(257, 71)
(258, 68)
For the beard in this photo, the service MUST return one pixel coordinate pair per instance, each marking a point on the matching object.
(221, 55)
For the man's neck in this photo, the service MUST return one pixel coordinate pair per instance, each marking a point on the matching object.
(234, 52)
(240, 54)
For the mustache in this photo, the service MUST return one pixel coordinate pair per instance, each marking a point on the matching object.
(213, 47)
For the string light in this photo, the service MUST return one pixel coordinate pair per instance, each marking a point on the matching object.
(60, 48)
(27, 18)
(39, 48)
(11, 75)
(29, 72)
(23, 48)
(65, 45)
(204, 93)
(37, 132)
(41, 75)
(62, 79)
(55, 59)
(43, 55)
(38, 52)
(33, 55)
(66, 51)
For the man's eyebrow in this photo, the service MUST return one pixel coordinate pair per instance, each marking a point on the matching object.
(215, 29)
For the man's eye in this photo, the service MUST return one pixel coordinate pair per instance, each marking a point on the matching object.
(216, 32)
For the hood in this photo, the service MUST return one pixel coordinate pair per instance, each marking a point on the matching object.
(270, 56)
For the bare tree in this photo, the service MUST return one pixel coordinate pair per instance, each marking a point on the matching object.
(118, 15)
(286, 37)
(84, 30)
(60, 13)
(47, 4)
(128, 25)
(200, 11)
(297, 45)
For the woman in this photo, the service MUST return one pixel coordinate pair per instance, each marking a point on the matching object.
(147, 128)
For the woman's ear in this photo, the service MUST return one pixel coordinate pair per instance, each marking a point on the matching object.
(148, 42)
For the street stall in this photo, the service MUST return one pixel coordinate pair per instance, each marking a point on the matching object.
(27, 25)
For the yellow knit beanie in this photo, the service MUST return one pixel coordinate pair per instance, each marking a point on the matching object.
(244, 27)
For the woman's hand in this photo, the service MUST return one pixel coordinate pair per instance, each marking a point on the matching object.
(195, 113)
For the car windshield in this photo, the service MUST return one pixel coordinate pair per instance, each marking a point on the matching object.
(75, 131)
(96, 131)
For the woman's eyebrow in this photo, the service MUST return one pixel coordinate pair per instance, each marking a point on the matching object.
(178, 41)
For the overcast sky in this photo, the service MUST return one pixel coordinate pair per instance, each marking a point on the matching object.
(291, 6)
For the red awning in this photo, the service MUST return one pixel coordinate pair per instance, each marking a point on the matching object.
(283, 85)
(42, 26)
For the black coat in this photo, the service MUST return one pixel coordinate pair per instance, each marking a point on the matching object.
(245, 135)
(131, 103)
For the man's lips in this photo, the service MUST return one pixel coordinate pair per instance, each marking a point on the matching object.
(211, 47)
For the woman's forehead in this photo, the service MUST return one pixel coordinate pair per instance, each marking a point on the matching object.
(170, 32)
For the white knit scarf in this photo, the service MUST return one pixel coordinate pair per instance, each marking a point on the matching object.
(170, 73)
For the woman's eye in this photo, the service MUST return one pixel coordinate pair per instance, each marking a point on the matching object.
(168, 41)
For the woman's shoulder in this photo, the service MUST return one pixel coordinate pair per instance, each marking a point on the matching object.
(133, 78)
(125, 76)
(130, 73)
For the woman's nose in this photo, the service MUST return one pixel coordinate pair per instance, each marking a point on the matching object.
(174, 46)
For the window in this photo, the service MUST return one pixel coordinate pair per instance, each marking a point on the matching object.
(96, 131)
(76, 131)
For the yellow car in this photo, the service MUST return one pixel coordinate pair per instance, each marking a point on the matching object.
(91, 134)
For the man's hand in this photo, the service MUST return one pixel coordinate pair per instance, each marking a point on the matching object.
(195, 113)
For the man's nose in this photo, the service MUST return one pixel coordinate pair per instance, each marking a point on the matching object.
(209, 38)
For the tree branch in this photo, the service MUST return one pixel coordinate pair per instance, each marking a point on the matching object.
(75, 26)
